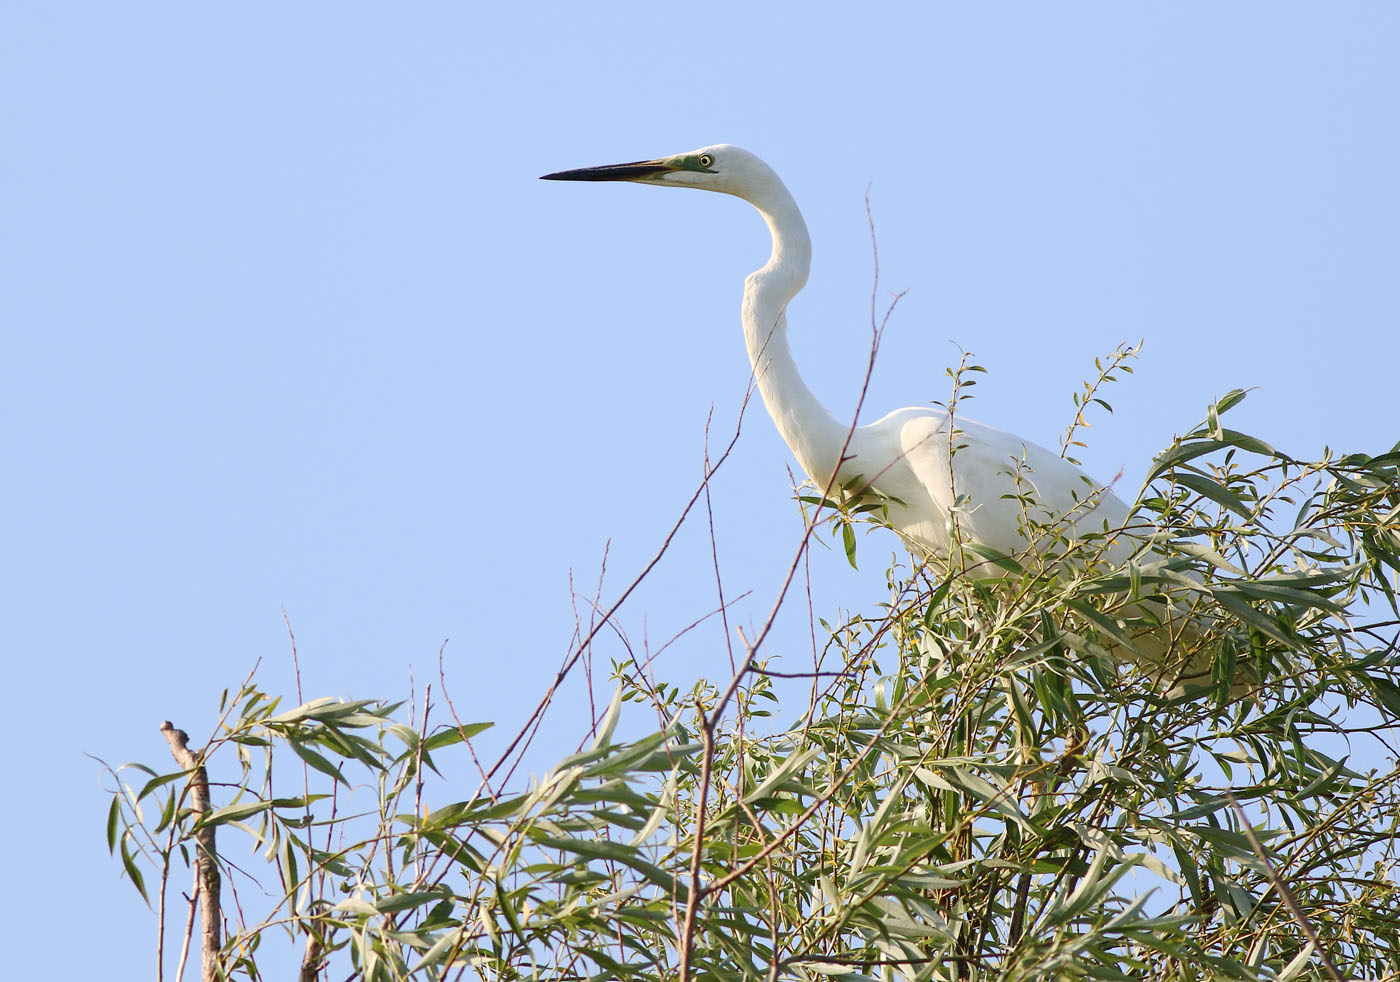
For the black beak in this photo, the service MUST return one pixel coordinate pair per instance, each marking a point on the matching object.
(612, 172)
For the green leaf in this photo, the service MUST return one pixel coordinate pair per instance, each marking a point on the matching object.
(407, 735)
(232, 813)
(346, 713)
(167, 813)
(114, 814)
(1294, 969)
(354, 905)
(290, 876)
(503, 898)
(1218, 493)
(159, 782)
(1260, 622)
(133, 872)
(1209, 806)
(779, 775)
(935, 600)
(407, 901)
(1201, 551)
(317, 761)
(994, 556)
(1387, 691)
(1190, 449)
(1230, 400)
(1252, 444)
(1180, 453)
(609, 722)
(1265, 590)
(448, 942)
(454, 734)
(315, 709)
(602, 849)
(1107, 625)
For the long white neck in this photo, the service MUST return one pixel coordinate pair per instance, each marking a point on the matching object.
(813, 434)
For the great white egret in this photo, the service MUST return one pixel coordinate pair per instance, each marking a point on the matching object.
(946, 479)
(1004, 490)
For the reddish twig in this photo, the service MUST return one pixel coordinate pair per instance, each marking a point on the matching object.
(1289, 901)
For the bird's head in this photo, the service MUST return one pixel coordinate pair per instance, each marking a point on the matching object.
(724, 168)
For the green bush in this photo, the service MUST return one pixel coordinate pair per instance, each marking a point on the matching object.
(984, 782)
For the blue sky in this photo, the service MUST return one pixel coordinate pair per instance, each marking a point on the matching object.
(289, 321)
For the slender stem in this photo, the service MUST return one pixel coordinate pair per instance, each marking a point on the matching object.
(692, 902)
(189, 927)
(1289, 901)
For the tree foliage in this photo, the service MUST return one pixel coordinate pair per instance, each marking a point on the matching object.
(982, 781)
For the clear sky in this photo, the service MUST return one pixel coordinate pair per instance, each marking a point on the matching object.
(289, 321)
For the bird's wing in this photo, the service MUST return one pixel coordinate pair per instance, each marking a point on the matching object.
(1007, 490)
(922, 447)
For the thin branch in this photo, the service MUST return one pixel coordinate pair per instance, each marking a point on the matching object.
(532, 724)
(714, 549)
(193, 901)
(1291, 902)
(693, 896)
(461, 728)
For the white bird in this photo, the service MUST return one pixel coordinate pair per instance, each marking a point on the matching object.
(947, 480)
(946, 477)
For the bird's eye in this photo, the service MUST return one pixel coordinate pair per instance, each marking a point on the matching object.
(706, 160)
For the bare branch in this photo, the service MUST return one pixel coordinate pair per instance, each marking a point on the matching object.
(206, 857)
